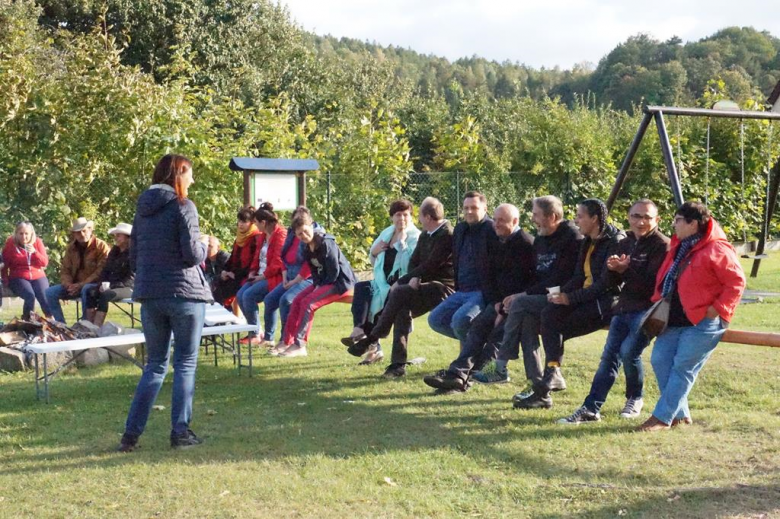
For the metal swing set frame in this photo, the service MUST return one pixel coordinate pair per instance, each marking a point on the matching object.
(657, 113)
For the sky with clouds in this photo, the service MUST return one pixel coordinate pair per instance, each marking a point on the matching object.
(538, 33)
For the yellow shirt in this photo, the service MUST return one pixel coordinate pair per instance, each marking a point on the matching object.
(586, 267)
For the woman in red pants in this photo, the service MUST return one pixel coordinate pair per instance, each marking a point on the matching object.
(332, 277)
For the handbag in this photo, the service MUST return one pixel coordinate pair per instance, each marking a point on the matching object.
(656, 319)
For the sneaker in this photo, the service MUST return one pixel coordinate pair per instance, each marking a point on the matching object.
(295, 350)
(394, 371)
(267, 344)
(535, 401)
(632, 408)
(525, 393)
(185, 441)
(372, 356)
(128, 443)
(552, 380)
(653, 424)
(279, 348)
(351, 341)
(581, 415)
(359, 348)
(445, 380)
(491, 374)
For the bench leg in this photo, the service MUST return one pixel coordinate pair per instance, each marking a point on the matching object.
(46, 378)
(37, 379)
(250, 357)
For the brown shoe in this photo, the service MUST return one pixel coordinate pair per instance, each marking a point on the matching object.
(682, 421)
(653, 424)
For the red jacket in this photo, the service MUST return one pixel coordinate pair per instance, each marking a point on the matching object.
(273, 256)
(713, 278)
(16, 261)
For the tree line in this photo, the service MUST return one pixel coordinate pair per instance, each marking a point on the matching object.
(93, 93)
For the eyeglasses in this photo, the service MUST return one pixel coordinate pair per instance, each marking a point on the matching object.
(645, 217)
(679, 218)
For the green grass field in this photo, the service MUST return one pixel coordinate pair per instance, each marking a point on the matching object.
(319, 436)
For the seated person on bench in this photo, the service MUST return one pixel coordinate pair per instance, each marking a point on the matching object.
(390, 256)
(331, 276)
(116, 279)
(23, 271)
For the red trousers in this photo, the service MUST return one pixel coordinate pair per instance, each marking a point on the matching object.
(302, 310)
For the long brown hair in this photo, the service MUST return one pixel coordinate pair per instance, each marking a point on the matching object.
(170, 170)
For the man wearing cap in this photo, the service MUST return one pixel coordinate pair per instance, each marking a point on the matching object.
(82, 263)
(116, 279)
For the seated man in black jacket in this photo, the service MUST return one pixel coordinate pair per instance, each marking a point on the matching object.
(555, 256)
(510, 271)
(428, 282)
(634, 264)
(583, 305)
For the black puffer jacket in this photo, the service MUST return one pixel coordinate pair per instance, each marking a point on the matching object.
(555, 256)
(601, 290)
(164, 249)
(117, 269)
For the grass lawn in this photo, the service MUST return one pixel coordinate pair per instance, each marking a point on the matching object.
(319, 436)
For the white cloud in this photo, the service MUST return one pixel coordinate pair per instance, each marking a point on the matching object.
(539, 33)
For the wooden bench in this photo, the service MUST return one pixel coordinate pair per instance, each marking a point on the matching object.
(769, 339)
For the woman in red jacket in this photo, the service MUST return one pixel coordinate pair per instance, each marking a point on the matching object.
(266, 273)
(703, 281)
(25, 258)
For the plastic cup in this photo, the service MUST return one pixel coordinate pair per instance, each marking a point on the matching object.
(554, 290)
(105, 285)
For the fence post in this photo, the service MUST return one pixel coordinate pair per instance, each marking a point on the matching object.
(457, 193)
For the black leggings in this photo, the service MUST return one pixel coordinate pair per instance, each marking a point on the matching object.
(100, 300)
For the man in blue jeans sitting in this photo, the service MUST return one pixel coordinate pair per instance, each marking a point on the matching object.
(472, 238)
(635, 265)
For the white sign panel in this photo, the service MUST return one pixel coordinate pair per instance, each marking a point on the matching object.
(279, 189)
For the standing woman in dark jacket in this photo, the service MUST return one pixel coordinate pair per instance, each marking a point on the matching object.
(116, 279)
(332, 277)
(166, 250)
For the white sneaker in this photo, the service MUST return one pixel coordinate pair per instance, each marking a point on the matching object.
(294, 351)
(279, 348)
(632, 408)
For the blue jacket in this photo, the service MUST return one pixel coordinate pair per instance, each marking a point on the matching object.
(164, 249)
(486, 236)
(328, 264)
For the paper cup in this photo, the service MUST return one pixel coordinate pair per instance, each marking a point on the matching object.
(554, 290)
(105, 285)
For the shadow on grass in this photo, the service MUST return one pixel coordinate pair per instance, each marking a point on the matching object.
(285, 412)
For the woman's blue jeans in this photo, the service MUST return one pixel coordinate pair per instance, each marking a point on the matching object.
(678, 356)
(161, 317)
(280, 299)
(249, 296)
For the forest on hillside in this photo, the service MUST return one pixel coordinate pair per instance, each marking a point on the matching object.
(92, 92)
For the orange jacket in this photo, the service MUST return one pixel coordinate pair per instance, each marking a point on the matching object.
(713, 278)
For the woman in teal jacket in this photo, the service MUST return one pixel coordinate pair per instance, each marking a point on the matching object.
(390, 254)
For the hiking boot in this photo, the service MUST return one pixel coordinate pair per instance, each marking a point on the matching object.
(632, 408)
(185, 441)
(653, 424)
(359, 348)
(372, 356)
(445, 380)
(535, 401)
(686, 420)
(394, 371)
(581, 415)
(525, 393)
(492, 374)
(128, 443)
(295, 350)
(552, 380)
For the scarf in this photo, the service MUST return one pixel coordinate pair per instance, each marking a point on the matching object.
(670, 280)
(242, 238)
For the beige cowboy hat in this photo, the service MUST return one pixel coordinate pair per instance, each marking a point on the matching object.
(122, 228)
(80, 223)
